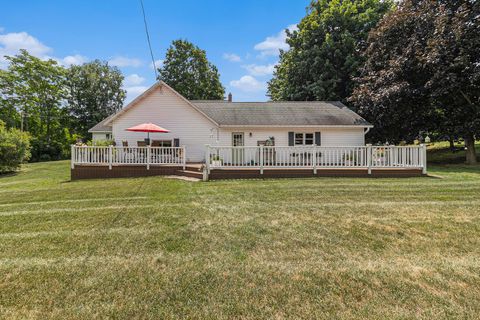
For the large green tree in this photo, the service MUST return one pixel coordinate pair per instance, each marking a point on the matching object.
(453, 56)
(326, 51)
(94, 92)
(187, 70)
(35, 89)
(422, 73)
(391, 91)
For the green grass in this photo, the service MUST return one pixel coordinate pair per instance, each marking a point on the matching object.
(250, 249)
(440, 153)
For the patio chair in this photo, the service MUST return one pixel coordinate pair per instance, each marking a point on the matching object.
(141, 143)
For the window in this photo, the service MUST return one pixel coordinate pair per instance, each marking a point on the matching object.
(304, 139)
(108, 136)
(162, 143)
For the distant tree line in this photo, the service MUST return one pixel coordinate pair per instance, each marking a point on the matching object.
(410, 68)
(57, 105)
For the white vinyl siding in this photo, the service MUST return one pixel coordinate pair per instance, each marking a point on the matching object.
(100, 136)
(164, 108)
(329, 136)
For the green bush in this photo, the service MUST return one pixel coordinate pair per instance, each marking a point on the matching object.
(14, 148)
(100, 143)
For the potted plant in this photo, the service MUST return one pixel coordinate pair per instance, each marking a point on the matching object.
(216, 161)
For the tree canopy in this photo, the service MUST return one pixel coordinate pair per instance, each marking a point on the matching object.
(94, 92)
(35, 90)
(326, 51)
(187, 70)
(422, 72)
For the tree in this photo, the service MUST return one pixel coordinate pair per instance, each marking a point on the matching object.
(325, 51)
(422, 73)
(14, 148)
(187, 70)
(35, 89)
(94, 92)
(391, 91)
(453, 55)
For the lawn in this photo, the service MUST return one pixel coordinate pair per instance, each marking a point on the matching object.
(251, 249)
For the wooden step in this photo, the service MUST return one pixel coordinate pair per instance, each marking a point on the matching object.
(194, 168)
(189, 173)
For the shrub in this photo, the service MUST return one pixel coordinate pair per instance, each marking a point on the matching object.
(100, 143)
(14, 148)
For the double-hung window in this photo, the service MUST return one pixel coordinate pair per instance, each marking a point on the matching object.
(304, 139)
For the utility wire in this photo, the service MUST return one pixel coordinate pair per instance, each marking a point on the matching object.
(148, 40)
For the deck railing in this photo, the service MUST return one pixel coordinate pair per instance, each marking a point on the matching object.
(111, 156)
(316, 157)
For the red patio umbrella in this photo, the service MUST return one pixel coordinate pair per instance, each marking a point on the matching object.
(147, 127)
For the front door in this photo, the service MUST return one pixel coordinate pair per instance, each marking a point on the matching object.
(238, 154)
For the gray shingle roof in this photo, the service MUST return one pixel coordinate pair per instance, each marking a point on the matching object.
(301, 113)
(101, 127)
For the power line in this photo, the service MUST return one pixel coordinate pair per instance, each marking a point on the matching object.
(148, 40)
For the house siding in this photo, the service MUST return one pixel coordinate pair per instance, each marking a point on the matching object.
(329, 136)
(164, 108)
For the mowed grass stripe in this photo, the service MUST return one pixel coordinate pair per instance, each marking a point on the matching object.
(48, 202)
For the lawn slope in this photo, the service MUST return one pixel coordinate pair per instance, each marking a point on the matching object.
(294, 248)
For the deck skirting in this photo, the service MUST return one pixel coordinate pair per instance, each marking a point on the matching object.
(126, 171)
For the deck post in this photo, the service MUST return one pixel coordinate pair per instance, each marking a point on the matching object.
(110, 157)
(424, 158)
(314, 159)
(184, 157)
(72, 155)
(261, 159)
(148, 157)
(369, 158)
(207, 158)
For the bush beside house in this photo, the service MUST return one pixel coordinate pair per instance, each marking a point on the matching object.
(14, 148)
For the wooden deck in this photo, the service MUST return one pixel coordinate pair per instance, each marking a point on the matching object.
(90, 162)
(195, 170)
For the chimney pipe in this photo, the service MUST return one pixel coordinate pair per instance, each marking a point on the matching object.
(230, 97)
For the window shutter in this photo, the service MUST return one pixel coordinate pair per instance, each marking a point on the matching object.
(291, 138)
(176, 142)
(318, 139)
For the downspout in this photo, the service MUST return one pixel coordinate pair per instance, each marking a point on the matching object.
(365, 132)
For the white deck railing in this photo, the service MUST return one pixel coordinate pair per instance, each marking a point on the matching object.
(317, 157)
(111, 156)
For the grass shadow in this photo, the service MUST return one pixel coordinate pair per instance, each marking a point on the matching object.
(7, 175)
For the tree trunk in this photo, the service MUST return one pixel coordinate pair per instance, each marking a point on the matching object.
(470, 149)
(452, 145)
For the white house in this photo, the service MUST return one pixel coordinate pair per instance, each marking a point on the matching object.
(194, 124)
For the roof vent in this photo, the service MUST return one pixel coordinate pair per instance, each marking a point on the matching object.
(230, 97)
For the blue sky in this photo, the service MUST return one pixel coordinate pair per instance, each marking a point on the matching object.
(241, 38)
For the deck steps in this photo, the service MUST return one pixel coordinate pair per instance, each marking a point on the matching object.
(190, 173)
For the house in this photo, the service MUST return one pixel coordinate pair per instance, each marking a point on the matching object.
(195, 124)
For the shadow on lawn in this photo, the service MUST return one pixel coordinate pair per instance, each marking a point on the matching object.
(10, 174)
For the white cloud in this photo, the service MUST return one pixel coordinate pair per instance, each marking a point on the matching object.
(158, 64)
(120, 61)
(133, 92)
(232, 57)
(11, 43)
(248, 84)
(75, 59)
(133, 80)
(260, 70)
(271, 45)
